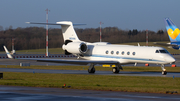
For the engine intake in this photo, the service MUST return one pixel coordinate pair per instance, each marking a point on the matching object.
(75, 47)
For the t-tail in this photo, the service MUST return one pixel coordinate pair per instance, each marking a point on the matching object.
(72, 44)
(68, 31)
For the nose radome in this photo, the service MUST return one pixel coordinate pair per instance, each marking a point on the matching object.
(174, 60)
(171, 59)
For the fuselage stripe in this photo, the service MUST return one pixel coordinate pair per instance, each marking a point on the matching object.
(118, 57)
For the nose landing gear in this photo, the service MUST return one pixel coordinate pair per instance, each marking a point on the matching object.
(163, 70)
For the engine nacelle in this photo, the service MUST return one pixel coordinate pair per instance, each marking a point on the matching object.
(75, 47)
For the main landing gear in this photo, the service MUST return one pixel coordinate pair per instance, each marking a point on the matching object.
(163, 70)
(91, 69)
(117, 68)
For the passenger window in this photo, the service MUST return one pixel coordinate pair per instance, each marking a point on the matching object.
(117, 52)
(157, 51)
(112, 52)
(128, 53)
(133, 53)
(122, 52)
(107, 52)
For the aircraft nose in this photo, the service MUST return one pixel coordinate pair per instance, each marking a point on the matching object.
(171, 60)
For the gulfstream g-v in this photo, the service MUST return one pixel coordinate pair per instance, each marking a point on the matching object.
(105, 53)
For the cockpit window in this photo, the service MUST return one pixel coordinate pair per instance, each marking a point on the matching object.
(157, 51)
(163, 51)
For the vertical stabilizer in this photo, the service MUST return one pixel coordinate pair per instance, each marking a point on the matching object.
(68, 31)
(172, 30)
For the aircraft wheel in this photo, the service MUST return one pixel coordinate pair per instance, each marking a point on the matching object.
(115, 70)
(91, 70)
(164, 72)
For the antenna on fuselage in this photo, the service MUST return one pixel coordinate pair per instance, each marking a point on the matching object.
(138, 44)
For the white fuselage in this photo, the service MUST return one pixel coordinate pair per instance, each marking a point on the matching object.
(105, 53)
(126, 54)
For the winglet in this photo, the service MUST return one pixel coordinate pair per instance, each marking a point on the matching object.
(7, 52)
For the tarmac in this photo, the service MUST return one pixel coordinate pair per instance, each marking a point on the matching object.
(18, 93)
(85, 72)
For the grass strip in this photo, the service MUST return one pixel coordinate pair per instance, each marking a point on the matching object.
(93, 82)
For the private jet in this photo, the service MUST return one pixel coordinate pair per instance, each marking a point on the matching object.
(104, 52)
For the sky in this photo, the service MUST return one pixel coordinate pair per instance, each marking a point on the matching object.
(124, 14)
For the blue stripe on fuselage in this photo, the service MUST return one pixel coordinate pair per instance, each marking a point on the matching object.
(118, 57)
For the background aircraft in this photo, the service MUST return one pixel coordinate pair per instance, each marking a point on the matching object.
(105, 53)
(173, 33)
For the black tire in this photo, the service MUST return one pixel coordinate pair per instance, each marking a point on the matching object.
(115, 70)
(164, 72)
(91, 70)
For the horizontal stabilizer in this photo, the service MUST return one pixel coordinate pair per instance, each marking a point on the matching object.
(57, 23)
(67, 29)
(45, 23)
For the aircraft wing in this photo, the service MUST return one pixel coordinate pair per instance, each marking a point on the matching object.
(77, 61)
(70, 61)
